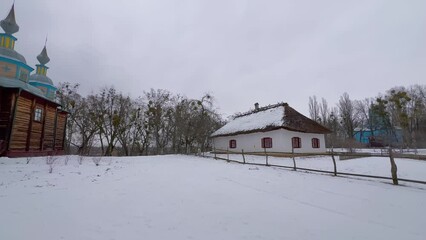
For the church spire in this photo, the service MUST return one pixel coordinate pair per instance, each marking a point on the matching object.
(40, 78)
(42, 57)
(9, 23)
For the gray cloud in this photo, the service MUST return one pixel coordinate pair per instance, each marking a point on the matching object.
(240, 51)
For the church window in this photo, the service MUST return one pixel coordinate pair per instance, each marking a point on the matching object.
(38, 114)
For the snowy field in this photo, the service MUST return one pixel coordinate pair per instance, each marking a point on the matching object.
(183, 197)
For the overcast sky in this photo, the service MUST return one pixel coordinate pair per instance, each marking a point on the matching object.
(240, 51)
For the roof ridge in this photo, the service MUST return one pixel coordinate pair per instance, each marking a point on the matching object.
(261, 109)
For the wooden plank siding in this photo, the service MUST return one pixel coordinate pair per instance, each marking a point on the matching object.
(36, 130)
(30, 125)
(21, 123)
(28, 136)
(60, 130)
(49, 128)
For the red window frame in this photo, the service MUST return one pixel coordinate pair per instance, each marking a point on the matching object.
(296, 142)
(232, 143)
(315, 143)
(266, 142)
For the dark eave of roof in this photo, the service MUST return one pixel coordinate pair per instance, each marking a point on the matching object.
(267, 129)
(296, 121)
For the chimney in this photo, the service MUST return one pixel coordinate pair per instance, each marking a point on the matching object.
(256, 106)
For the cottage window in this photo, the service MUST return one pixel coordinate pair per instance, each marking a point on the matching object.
(232, 143)
(296, 142)
(267, 142)
(38, 114)
(315, 143)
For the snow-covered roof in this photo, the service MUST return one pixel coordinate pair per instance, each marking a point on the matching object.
(270, 118)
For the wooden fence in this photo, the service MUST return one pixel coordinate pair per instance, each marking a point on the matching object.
(390, 153)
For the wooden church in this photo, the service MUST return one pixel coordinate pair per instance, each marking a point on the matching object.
(32, 123)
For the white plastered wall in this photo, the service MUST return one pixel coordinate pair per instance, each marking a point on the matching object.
(281, 142)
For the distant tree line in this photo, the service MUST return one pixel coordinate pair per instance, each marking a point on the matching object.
(400, 109)
(111, 123)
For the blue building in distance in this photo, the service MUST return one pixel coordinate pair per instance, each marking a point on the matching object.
(378, 137)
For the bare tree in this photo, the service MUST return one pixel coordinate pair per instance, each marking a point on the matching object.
(348, 115)
(159, 116)
(141, 135)
(324, 112)
(314, 108)
(158, 121)
(107, 107)
(127, 123)
(397, 106)
(417, 114)
(363, 110)
(66, 96)
(85, 121)
(195, 120)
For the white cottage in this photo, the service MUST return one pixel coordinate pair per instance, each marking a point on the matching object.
(276, 128)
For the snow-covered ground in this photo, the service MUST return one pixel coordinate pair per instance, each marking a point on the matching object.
(183, 197)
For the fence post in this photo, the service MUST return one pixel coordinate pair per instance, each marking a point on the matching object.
(214, 149)
(267, 163)
(334, 161)
(244, 158)
(393, 167)
(227, 154)
(294, 160)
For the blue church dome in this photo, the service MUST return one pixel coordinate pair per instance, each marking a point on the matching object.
(41, 79)
(11, 53)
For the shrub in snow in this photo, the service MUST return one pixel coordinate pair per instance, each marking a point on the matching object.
(97, 160)
(50, 160)
(80, 159)
(67, 158)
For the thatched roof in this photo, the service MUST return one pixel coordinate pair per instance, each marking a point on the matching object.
(272, 117)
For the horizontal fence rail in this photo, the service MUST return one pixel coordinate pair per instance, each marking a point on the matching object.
(395, 179)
